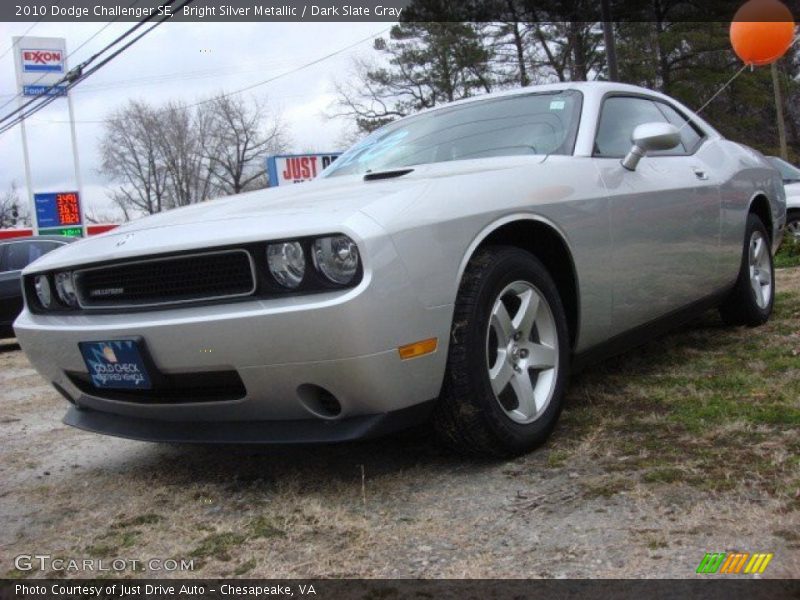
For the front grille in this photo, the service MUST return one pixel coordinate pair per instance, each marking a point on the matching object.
(170, 280)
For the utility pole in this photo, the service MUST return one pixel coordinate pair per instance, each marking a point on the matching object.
(608, 38)
(776, 86)
(15, 41)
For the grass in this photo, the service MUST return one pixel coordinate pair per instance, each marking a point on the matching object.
(218, 545)
(712, 407)
(789, 253)
(121, 535)
(139, 521)
(245, 568)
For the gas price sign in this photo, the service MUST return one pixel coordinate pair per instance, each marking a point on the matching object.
(58, 209)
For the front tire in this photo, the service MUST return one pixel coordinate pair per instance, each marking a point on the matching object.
(751, 300)
(508, 359)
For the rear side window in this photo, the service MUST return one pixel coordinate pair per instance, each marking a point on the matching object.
(620, 115)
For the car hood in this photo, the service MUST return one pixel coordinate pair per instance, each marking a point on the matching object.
(329, 205)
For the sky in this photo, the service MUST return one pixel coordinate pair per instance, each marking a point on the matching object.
(177, 61)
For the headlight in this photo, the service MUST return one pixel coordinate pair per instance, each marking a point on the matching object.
(42, 286)
(65, 289)
(336, 258)
(287, 263)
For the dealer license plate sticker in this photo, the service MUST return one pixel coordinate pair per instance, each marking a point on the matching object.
(116, 364)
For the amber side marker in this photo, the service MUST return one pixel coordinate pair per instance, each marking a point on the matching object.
(418, 349)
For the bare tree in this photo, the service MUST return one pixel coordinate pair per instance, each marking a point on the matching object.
(13, 212)
(181, 138)
(164, 157)
(95, 216)
(132, 158)
(241, 136)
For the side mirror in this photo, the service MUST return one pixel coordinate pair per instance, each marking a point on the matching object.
(649, 137)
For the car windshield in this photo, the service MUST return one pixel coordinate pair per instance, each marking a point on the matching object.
(538, 123)
(788, 172)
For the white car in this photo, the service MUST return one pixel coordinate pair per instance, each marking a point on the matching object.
(791, 182)
(454, 265)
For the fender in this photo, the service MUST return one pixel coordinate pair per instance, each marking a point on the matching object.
(778, 220)
(535, 218)
(505, 220)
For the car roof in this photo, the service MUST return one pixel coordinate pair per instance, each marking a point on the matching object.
(591, 90)
(598, 88)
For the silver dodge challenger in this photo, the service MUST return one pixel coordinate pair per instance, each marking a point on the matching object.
(454, 266)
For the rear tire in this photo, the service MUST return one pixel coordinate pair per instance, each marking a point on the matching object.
(751, 300)
(508, 359)
(793, 224)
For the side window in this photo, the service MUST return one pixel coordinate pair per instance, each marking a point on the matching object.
(690, 136)
(20, 254)
(3, 257)
(619, 117)
(38, 249)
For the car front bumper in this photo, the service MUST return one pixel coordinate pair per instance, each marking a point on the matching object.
(345, 342)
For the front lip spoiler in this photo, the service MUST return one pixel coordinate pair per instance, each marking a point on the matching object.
(303, 431)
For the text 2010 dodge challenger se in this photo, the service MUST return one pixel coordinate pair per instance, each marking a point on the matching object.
(454, 265)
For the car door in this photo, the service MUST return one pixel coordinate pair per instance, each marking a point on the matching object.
(10, 291)
(664, 217)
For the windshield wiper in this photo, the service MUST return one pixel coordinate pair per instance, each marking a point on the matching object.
(391, 174)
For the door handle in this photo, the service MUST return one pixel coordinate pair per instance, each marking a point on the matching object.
(700, 173)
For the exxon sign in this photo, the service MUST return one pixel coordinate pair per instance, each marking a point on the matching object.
(42, 61)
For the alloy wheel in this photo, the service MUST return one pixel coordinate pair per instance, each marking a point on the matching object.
(760, 267)
(522, 352)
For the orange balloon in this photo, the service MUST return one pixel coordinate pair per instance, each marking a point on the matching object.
(762, 31)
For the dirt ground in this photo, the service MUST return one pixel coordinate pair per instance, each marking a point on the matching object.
(685, 446)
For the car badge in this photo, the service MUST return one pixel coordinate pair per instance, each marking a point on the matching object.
(124, 240)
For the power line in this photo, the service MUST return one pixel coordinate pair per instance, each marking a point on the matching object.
(260, 83)
(27, 31)
(174, 77)
(300, 68)
(76, 71)
(77, 74)
(86, 41)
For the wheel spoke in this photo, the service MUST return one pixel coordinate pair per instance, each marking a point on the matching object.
(501, 374)
(540, 356)
(523, 389)
(761, 249)
(759, 294)
(526, 314)
(501, 323)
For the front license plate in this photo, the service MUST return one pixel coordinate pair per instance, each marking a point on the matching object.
(116, 364)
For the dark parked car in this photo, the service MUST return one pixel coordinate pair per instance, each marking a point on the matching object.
(15, 255)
